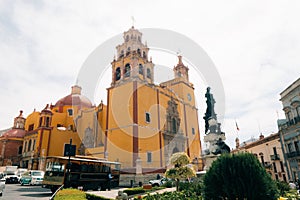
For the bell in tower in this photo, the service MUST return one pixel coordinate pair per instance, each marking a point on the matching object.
(19, 121)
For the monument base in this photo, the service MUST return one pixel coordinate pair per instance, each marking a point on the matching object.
(209, 159)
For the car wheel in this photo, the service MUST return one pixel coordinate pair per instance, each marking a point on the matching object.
(155, 185)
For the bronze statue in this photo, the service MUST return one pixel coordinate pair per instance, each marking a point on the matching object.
(210, 110)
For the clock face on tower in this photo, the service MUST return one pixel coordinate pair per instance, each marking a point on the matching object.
(189, 97)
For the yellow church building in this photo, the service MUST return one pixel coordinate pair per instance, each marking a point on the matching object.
(141, 126)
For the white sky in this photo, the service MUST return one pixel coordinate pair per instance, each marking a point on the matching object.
(255, 46)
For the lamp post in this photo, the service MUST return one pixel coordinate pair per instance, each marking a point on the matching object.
(31, 156)
(69, 151)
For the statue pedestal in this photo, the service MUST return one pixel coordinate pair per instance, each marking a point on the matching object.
(208, 160)
(212, 139)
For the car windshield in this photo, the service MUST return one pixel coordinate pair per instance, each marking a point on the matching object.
(36, 174)
(10, 173)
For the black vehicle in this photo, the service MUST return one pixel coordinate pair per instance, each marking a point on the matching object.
(85, 172)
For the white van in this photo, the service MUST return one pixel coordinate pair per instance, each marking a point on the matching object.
(200, 174)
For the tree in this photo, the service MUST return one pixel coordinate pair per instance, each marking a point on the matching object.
(180, 171)
(238, 176)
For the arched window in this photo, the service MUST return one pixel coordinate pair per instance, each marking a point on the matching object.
(127, 38)
(141, 69)
(118, 74)
(148, 73)
(127, 70)
(144, 54)
(29, 145)
(139, 52)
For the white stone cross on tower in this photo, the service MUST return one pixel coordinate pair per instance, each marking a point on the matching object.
(133, 20)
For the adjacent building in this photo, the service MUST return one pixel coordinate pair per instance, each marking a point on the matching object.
(289, 129)
(11, 142)
(269, 152)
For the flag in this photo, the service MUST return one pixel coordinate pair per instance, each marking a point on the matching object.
(237, 127)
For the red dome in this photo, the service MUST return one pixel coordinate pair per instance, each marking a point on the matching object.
(74, 100)
(13, 133)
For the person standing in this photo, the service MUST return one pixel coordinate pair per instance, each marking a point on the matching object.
(109, 180)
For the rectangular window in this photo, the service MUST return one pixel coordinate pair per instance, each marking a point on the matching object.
(33, 146)
(149, 157)
(290, 148)
(274, 166)
(47, 121)
(31, 126)
(281, 166)
(70, 112)
(193, 131)
(296, 143)
(275, 151)
(148, 119)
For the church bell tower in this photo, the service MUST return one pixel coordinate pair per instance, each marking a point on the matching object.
(131, 62)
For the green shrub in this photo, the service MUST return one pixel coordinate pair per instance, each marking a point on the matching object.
(168, 184)
(173, 195)
(94, 197)
(282, 187)
(73, 194)
(132, 191)
(191, 187)
(238, 176)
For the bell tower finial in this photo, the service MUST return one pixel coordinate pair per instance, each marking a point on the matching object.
(180, 70)
(133, 20)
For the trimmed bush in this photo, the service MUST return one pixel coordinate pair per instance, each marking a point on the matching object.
(195, 187)
(238, 176)
(132, 191)
(94, 197)
(168, 184)
(73, 194)
(173, 195)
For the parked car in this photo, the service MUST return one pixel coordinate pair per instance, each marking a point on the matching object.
(20, 172)
(11, 177)
(32, 177)
(159, 182)
(25, 179)
(2, 185)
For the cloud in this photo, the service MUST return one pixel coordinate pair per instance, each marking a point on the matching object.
(253, 44)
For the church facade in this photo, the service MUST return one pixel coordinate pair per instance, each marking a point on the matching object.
(141, 125)
(146, 123)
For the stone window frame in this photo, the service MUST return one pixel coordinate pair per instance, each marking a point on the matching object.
(149, 157)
